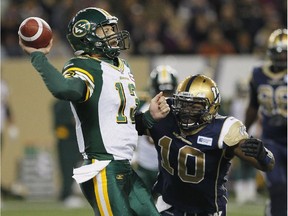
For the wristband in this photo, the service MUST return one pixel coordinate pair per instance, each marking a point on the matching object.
(148, 120)
(266, 160)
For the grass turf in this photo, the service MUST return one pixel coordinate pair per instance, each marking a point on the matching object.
(54, 208)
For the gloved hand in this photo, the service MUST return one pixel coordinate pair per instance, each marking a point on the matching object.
(253, 147)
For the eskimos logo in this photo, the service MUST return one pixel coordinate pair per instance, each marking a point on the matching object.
(81, 28)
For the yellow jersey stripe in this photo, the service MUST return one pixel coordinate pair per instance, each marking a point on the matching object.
(87, 94)
(82, 71)
(105, 192)
(101, 192)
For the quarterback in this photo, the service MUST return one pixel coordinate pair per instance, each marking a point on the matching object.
(101, 89)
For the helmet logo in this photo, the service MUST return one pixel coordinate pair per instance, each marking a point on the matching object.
(81, 28)
(216, 94)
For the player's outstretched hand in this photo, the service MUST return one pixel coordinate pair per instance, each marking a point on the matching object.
(253, 147)
(158, 107)
(30, 50)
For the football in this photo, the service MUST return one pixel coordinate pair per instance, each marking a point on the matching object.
(35, 32)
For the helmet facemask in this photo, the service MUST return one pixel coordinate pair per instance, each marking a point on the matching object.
(278, 57)
(111, 45)
(196, 102)
(191, 112)
(277, 50)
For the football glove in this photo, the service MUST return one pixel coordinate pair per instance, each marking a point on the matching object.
(253, 147)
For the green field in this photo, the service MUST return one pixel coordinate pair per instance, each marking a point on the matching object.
(53, 208)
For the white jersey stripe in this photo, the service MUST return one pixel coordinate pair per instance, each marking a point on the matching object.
(99, 203)
(79, 133)
(102, 194)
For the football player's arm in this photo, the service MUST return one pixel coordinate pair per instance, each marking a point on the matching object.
(158, 110)
(253, 151)
(143, 122)
(72, 89)
(248, 149)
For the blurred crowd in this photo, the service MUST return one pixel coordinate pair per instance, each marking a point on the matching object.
(208, 27)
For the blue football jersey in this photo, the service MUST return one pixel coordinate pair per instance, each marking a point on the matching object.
(193, 169)
(269, 94)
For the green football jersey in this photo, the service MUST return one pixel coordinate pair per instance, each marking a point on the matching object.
(105, 123)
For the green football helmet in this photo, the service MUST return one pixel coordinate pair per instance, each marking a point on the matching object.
(84, 40)
(163, 78)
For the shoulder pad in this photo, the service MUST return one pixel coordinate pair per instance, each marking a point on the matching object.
(71, 63)
(80, 62)
(233, 130)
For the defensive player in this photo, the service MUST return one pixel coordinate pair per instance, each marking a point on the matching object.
(101, 89)
(163, 78)
(268, 94)
(195, 146)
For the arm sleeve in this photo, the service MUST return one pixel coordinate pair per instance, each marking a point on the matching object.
(140, 127)
(144, 121)
(72, 89)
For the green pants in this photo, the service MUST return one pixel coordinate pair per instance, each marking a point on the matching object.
(149, 177)
(117, 190)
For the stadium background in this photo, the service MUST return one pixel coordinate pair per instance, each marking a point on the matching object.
(182, 35)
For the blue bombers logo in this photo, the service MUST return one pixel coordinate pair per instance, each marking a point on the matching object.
(81, 28)
(216, 94)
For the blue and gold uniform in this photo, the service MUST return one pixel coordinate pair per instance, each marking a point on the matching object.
(194, 168)
(195, 146)
(268, 101)
(269, 96)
